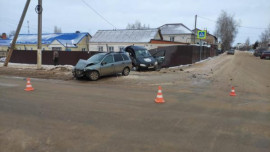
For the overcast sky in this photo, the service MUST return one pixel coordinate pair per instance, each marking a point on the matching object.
(73, 15)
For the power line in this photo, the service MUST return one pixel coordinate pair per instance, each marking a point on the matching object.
(249, 27)
(89, 6)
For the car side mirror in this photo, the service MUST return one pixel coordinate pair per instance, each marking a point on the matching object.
(103, 63)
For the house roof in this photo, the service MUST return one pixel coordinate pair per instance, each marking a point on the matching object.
(5, 42)
(175, 28)
(64, 38)
(125, 35)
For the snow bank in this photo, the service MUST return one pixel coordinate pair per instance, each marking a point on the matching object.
(44, 67)
(3, 59)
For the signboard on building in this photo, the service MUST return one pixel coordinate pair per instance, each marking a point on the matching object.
(201, 34)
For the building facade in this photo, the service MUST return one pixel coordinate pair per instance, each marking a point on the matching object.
(117, 40)
(177, 32)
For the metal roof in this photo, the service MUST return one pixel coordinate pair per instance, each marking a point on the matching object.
(176, 28)
(5, 42)
(125, 35)
(47, 38)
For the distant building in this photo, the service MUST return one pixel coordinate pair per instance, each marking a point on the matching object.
(116, 40)
(4, 45)
(177, 32)
(55, 41)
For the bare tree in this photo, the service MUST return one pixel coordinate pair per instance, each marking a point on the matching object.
(57, 29)
(137, 25)
(226, 29)
(247, 47)
(265, 36)
(12, 33)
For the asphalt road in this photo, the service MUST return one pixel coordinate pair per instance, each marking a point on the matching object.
(119, 114)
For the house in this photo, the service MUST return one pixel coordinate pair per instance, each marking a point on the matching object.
(55, 41)
(177, 32)
(210, 39)
(116, 40)
(4, 45)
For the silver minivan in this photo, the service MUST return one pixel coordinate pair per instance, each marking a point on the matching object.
(103, 64)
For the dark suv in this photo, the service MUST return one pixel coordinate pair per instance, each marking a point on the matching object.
(141, 58)
(103, 64)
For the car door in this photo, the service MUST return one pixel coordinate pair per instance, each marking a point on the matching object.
(119, 63)
(126, 60)
(107, 66)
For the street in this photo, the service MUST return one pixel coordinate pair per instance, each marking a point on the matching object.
(118, 113)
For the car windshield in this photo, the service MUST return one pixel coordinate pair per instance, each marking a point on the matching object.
(96, 58)
(142, 53)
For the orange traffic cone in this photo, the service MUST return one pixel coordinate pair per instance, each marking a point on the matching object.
(28, 85)
(232, 92)
(159, 98)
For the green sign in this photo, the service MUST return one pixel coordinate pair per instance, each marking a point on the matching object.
(201, 34)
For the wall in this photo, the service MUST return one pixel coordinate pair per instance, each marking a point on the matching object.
(184, 38)
(94, 46)
(65, 57)
(210, 39)
(29, 46)
(185, 54)
(84, 43)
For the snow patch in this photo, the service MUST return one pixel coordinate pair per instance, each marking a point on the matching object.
(3, 59)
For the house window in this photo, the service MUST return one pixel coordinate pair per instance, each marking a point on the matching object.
(111, 49)
(121, 48)
(83, 49)
(100, 48)
(172, 38)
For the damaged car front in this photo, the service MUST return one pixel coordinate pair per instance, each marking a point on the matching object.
(84, 67)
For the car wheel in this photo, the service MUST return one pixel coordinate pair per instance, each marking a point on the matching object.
(126, 71)
(93, 75)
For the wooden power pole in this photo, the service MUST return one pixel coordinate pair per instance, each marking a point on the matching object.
(17, 33)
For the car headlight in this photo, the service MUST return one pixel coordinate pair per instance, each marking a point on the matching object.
(156, 63)
(143, 65)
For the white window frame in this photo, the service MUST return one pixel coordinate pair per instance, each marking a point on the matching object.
(121, 48)
(172, 38)
(111, 49)
(100, 48)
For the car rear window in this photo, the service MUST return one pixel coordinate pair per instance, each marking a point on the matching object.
(125, 57)
(118, 57)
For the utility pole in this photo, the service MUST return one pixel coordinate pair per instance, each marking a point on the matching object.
(28, 27)
(39, 10)
(17, 33)
(195, 29)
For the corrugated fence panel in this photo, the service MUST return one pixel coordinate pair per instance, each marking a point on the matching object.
(183, 54)
(65, 57)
